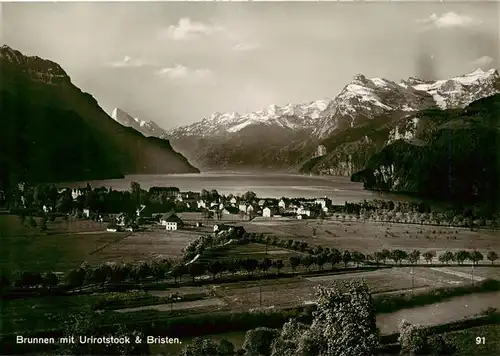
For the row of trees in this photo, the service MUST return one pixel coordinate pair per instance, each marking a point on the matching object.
(160, 270)
(397, 255)
(419, 213)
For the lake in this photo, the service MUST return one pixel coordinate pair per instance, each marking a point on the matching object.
(339, 189)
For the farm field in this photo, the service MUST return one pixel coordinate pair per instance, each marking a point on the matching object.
(298, 290)
(46, 312)
(368, 237)
(27, 249)
(146, 245)
(10, 225)
(482, 272)
(251, 250)
(380, 281)
(215, 302)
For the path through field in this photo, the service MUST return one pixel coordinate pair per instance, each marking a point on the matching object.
(458, 274)
(176, 306)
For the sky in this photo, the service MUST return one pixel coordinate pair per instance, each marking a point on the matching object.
(178, 62)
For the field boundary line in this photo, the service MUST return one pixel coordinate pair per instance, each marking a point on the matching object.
(102, 247)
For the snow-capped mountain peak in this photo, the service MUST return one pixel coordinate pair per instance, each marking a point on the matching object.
(289, 116)
(147, 128)
(360, 100)
(461, 90)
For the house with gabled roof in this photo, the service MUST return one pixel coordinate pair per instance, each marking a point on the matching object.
(171, 221)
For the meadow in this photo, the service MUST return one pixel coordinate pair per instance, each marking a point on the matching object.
(68, 243)
(369, 236)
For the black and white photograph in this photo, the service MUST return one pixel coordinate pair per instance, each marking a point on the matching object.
(250, 178)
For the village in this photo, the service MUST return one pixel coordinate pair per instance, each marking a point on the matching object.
(198, 209)
(147, 256)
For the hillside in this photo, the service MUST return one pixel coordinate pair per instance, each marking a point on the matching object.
(451, 155)
(52, 131)
(350, 147)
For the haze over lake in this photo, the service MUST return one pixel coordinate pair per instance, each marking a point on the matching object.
(339, 189)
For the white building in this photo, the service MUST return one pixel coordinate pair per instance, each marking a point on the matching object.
(303, 211)
(75, 193)
(171, 225)
(268, 212)
(201, 204)
(171, 221)
(282, 204)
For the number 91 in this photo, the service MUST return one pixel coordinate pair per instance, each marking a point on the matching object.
(480, 340)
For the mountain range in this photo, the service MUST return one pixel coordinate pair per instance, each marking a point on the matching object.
(351, 125)
(450, 154)
(52, 131)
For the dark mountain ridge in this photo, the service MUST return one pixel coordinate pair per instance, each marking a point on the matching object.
(454, 155)
(52, 131)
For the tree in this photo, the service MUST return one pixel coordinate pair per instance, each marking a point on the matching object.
(377, 257)
(461, 256)
(278, 264)
(50, 280)
(492, 256)
(385, 255)
(429, 255)
(344, 324)
(214, 267)
(43, 224)
(202, 347)
(250, 265)
(415, 340)
(178, 271)
(75, 278)
(307, 261)
(414, 256)
(249, 196)
(321, 259)
(358, 257)
(226, 348)
(294, 262)
(398, 255)
(412, 339)
(258, 341)
(135, 190)
(446, 257)
(196, 269)
(346, 257)
(265, 264)
(334, 257)
(476, 257)
(85, 323)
